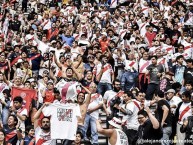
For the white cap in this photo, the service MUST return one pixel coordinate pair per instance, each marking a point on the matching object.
(116, 122)
(104, 33)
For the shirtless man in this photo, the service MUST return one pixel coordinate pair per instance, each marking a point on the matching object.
(114, 133)
(83, 103)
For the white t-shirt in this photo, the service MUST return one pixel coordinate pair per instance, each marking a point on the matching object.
(96, 99)
(63, 118)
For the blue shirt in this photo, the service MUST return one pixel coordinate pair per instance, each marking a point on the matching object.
(27, 140)
(69, 40)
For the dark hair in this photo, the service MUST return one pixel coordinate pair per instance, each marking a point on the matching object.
(4, 142)
(7, 92)
(18, 98)
(189, 82)
(102, 56)
(56, 91)
(154, 56)
(142, 112)
(160, 93)
(80, 133)
(187, 94)
(27, 82)
(181, 46)
(116, 80)
(80, 93)
(15, 118)
(28, 128)
(44, 118)
(68, 69)
(129, 94)
(189, 60)
(178, 57)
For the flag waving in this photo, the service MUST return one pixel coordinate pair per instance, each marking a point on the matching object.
(26, 94)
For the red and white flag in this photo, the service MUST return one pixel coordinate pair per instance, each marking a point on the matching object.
(68, 90)
(26, 94)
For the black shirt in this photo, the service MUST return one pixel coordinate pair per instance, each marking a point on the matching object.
(153, 71)
(188, 74)
(168, 120)
(15, 25)
(146, 132)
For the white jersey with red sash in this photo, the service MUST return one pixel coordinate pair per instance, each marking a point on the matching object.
(122, 33)
(137, 103)
(129, 64)
(145, 10)
(76, 36)
(114, 3)
(184, 112)
(143, 64)
(153, 49)
(107, 72)
(22, 111)
(109, 95)
(161, 60)
(42, 138)
(96, 99)
(190, 19)
(188, 48)
(167, 48)
(46, 24)
(131, 119)
(142, 28)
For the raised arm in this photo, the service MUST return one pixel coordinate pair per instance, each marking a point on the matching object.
(153, 120)
(37, 115)
(101, 130)
(89, 95)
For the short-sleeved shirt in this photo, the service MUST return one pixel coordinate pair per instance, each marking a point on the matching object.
(153, 71)
(96, 99)
(42, 137)
(147, 132)
(63, 118)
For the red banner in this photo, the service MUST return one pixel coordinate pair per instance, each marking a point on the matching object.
(26, 94)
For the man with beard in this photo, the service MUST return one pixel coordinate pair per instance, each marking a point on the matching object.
(113, 96)
(42, 132)
(88, 79)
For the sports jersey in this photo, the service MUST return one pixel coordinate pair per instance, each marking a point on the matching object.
(42, 138)
(96, 99)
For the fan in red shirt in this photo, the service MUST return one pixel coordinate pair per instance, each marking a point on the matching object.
(48, 94)
(150, 35)
(104, 41)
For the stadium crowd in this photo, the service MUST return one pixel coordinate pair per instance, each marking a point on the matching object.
(65, 62)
